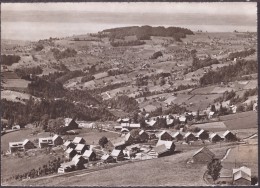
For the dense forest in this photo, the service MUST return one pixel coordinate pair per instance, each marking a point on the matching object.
(197, 63)
(9, 59)
(125, 103)
(63, 54)
(127, 43)
(145, 32)
(24, 73)
(229, 73)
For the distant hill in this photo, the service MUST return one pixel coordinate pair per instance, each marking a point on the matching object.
(145, 32)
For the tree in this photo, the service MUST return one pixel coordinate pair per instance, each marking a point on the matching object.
(214, 168)
(213, 108)
(103, 141)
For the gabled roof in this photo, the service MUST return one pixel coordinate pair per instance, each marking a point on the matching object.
(182, 118)
(212, 135)
(55, 137)
(69, 150)
(242, 172)
(124, 129)
(162, 133)
(188, 134)
(204, 150)
(77, 140)
(128, 136)
(105, 157)
(168, 144)
(226, 133)
(142, 132)
(67, 143)
(160, 149)
(80, 147)
(115, 153)
(87, 153)
(77, 158)
(26, 141)
(150, 123)
(169, 121)
(175, 134)
(200, 132)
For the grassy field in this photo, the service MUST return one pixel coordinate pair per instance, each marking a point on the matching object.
(243, 155)
(214, 126)
(243, 120)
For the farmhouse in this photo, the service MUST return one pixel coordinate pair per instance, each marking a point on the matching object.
(225, 175)
(71, 123)
(203, 155)
(159, 151)
(20, 146)
(150, 123)
(242, 176)
(68, 144)
(189, 137)
(214, 137)
(164, 135)
(50, 141)
(70, 153)
(168, 144)
(107, 159)
(169, 122)
(118, 155)
(202, 134)
(211, 115)
(78, 140)
(79, 161)
(129, 139)
(177, 136)
(89, 155)
(229, 136)
(183, 119)
(143, 136)
(81, 148)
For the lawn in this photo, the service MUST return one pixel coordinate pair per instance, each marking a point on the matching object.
(243, 155)
(214, 126)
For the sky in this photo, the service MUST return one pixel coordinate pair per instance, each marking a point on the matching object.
(145, 7)
(35, 21)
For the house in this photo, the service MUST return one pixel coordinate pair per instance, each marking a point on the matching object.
(169, 144)
(79, 161)
(242, 176)
(68, 144)
(151, 123)
(225, 175)
(16, 127)
(20, 146)
(118, 127)
(134, 126)
(118, 155)
(170, 122)
(211, 115)
(203, 135)
(89, 155)
(71, 123)
(81, 148)
(50, 141)
(107, 159)
(229, 136)
(177, 136)
(203, 155)
(233, 108)
(118, 143)
(143, 136)
(70, 153)
(189, 137)
(129, 139)
(78, 140)
(164, 135)
(183, 119)
(124, 130)
(159, 151)
(214, 137)
(152, 136)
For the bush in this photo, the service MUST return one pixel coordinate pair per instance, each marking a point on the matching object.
(156, 55)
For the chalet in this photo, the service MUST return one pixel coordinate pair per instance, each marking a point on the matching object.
(214, 137)
(78, 140)
(169, 144)
(202, 134)
(203, 155)
(169, 122)
(211, 115)
(229, 136)
(70, 153)
(129, 139)
(81, 148)
(233, 108)
(225, 175)
(118, 127)
(71, 123)
(242, 176)
(107, 159)
(50, 141)
(143, 136)
(151, 123)
(164, 135)
(183, 119)
(177, 136)
(159, 151)
(118, 143)
(89, 155)
(20, 146)
(189, 137)
(79, 161)
(118, 155)
(68, 144)
(152, 136)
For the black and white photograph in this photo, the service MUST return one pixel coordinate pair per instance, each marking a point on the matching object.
(129, 94)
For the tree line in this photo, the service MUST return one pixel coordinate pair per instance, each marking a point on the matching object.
(9, 59)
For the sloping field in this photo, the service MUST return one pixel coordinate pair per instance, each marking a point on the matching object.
(243, 120)
(251, 84)
(243, 155)
(203, 90)
(11, 96)
(15, 83)
(221, 89)
(213, 127)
